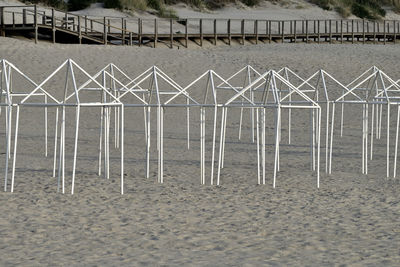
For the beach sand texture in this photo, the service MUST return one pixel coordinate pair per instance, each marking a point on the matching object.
(352, 219)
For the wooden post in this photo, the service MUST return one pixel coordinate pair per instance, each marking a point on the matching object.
(23, 17)
(105, 31)
(341, 31)
(186, 33)
(229, 31)
(302, 27)
(374, 32)
(307, 31)
(201, 32)
(86, 26)
(337, 26)
(109, 26)
(315, 30)
(155, 33)
(295, 31)
(130, 39)
(352, 31)
(256, 30)
(66, 20)
(140, 32)
(384, 32)
(215, 32)
(243, 37)
(35, 22)
(270, 31)
(363, 29)
(330, 31)
(43, 18)
(123, 30)
(3, 33)
(171, 33)
(394, 32)
(283, 30)
(319, 34)
(91, 25)
(79, 30)
(53, 26)
(13, 19)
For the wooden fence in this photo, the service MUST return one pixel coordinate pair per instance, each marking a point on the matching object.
(58, 25)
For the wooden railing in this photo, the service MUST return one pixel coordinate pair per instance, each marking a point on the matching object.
(128, 31)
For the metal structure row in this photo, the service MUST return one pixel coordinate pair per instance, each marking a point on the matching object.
(248, 90)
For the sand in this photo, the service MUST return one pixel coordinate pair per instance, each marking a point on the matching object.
(353, 219)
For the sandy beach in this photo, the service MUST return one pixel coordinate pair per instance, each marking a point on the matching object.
(352, 219)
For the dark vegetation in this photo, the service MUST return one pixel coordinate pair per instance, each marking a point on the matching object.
(369, 9)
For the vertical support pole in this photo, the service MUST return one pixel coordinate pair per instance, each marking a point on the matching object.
(394, 32)
(66, 20)
(186, 33)
(201, 32)
(243, 35)
(105, 31)
(384, 32)
(2, 21)
(283, 31)
(91, 25)
(363, 29)
(109, 26)
(215, 32)
(171, 33)
(374, 32)
(130, 39)
(86, 25)
(53, 26)
(35, 22)
(307, 31)
(256, 30)
(23, 17)
(319, 34)
(123, 30)
(140, 31)
(229, 31)
(352, 31)
(341, 31)
(330, 31)
(79, 30)
(295, 31)
(155, 32)
(270, 31)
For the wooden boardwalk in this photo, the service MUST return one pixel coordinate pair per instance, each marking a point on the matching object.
(57, 26)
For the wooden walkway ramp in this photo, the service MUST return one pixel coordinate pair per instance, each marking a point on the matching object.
(65, 27)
